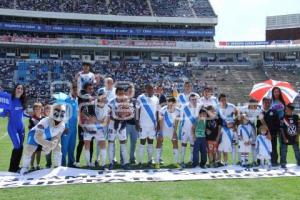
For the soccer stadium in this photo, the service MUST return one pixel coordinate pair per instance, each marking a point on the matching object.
(118, 78)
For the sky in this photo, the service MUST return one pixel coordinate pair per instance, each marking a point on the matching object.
(245, 20)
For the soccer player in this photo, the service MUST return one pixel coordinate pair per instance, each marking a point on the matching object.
(183, 98)
(168, 119)
(46, 133)
(208, 99)
(189, 114)
(121, 110)
(147, 121)
(96, 117)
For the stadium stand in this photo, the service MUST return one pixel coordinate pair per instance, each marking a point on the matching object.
(166, 8)
(129, 7)
(38, 74)
(173, 8)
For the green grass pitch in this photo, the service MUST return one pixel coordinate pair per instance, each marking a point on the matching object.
(270, 188)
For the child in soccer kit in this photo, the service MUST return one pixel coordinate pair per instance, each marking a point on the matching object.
(189, 115)
(228, 141)
(245, 134)
(264, 146)
(169, 117)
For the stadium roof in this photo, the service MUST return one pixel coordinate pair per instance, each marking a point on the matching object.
(283, 22)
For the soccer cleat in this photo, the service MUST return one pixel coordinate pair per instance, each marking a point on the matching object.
(111, 166)
(182, 165)
(219, 164)
(140, 165)
(96, 164)
(126, 167)
(150, 163)
(133, 162)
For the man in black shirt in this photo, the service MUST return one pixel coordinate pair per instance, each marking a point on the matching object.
(86, 95)
(289, 136)
(270, 118)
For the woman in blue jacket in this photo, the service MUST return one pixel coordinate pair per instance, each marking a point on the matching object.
(15, 127)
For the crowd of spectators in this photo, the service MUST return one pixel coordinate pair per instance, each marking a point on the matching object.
(172, 8)
(129, 7)
(202, 8)
(38, 75)
(169, 8)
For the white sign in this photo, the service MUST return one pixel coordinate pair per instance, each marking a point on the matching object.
(66, 176)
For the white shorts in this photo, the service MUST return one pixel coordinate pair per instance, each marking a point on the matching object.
(147, 132)
(99, 136)
(225, 147)
(263, 156)
(168, 134)
(244, 148)
(116, 133)
(187, 136)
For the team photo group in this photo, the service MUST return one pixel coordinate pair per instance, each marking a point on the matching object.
(105, 119)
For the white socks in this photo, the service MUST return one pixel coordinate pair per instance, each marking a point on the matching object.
(123, 148)
(150, 152)
(175, 154)
(158, 155)
(183, 150)
(111, 151)
(141, 153)
(87, 157)
(191, 153)
(103, 157)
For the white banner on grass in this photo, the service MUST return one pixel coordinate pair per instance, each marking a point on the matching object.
(65, 176)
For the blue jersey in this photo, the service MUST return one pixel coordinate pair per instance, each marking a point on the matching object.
(16, 112)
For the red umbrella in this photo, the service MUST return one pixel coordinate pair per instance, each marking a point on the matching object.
(264, 89)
